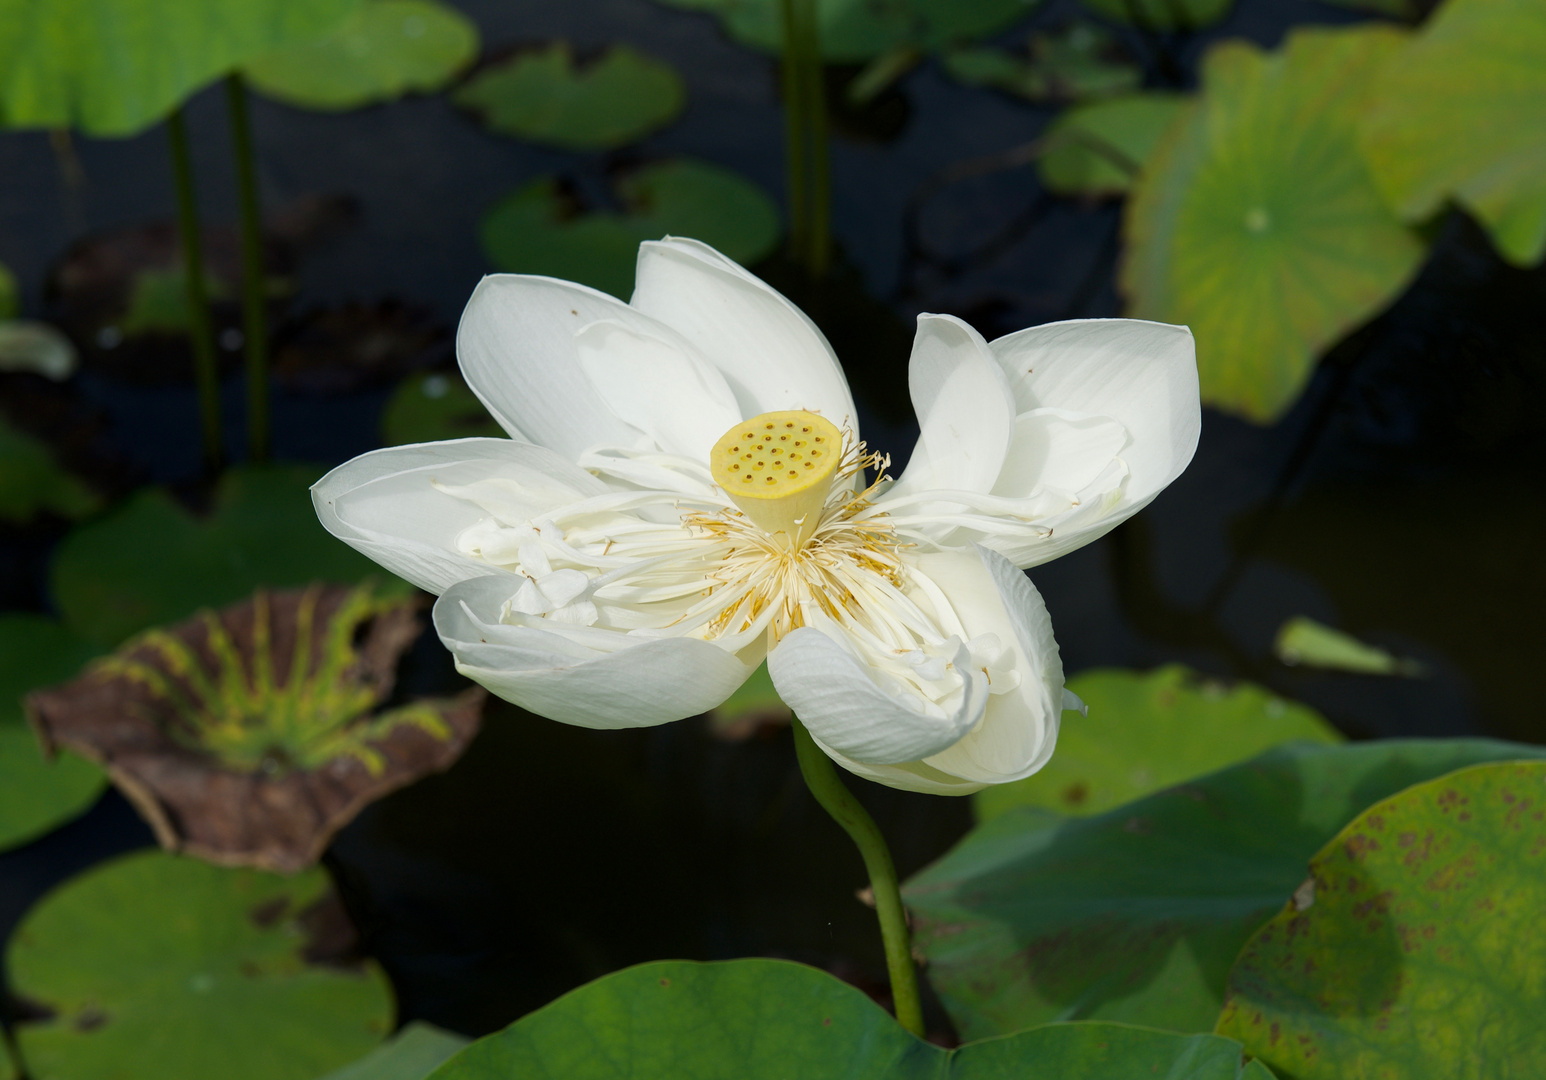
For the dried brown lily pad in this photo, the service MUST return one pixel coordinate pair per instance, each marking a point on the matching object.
(250, 736)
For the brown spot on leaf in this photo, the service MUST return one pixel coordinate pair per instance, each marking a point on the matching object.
(330, 939)
(1076, 793)
(90, 1019)
(267, 913)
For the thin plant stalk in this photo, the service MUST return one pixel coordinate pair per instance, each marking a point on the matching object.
(254, 300)
(200, 329)
(837, 800)
(794, 133)
(819, 244)
(805, 138)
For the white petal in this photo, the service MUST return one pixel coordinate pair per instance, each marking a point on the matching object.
(966, 411)
(516, 348)
(387, 504)
(661, 387)
(1059, 450)
(1141, 374)
(839, 700)
(771, 354)
(642, 683)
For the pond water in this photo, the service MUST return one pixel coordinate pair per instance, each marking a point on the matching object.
(1398, 500)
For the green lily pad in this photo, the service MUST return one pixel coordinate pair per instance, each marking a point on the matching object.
(1163, 14)
(540, 230)
(1078, 63)
(10, 294)
(1149, 731)
(161, 966)
(152, 562)
(1257, 223)
(1414, 949)
(1098, 149)
(412, 1054)
(853, 31)
(1304, 641)
(756, 1019)
(37, 795)
(385, 50)
(619, 98)
(434, 406)
(1136, 915)
(32, 482)
(114, 67)
(1461, 113)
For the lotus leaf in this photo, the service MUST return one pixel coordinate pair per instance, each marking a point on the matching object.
(540, 230)
(151, 562)
(32, 482)
(251, 736)
(1137, 914)
(386, 49)
(1461, 113)
(1414, 947)
(114, 67)
(434, 406)
(1079, 63)
(160, 966)
(37, 795)
(619, 98)
(1149, 731)
(756, 1019)
(1098, 149)
(1256, 222)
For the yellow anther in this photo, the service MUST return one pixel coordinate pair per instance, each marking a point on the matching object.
(778, 468)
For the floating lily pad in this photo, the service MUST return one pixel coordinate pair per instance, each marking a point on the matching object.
(151, 562)
(251, 736)
(541, 229)
(1083, 61)
(385, 50)
(1137, 914)
(435, 406)
(38, 348)
(1163, 14)
(1098, 149)
(32, 482)
(616, 99)
(412, 1054)
(1149, 731)
(852, 31)
(37, 795)
(1414, 948)
(1462, 114)
(114, 67)
(756, 1019)
(1304, 641)
(155, 965)
(1256, 222)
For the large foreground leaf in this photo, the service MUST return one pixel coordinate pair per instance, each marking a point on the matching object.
(113, 67)
(1137, 914)
(386, 49)
(1257, 223)
(160, 966)
(152, 562)
(756, 1019)
(1415, 948)
(1149, 731)
(36, 794)
(1461, 112)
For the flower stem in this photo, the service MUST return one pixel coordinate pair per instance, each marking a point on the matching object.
(254, 303)
(837, 800)
(201, 335)
(805, 138)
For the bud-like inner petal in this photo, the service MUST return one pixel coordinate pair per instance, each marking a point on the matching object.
(778, 469)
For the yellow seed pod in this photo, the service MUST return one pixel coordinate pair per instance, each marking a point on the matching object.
(778, 468)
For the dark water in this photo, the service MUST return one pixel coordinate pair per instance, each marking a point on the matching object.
(1399, 500)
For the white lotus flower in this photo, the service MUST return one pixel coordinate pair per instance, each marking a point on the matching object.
(611, 565)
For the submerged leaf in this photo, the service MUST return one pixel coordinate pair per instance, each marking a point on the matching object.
(1414, 949)
(157, 966)
(619, 98)
(1256, 222)
(1099, 149)
(1304, 641)
(385, 50)
(1081, 62)
(1460, 113)
(249, 737)
(539, 230)
(32, 482)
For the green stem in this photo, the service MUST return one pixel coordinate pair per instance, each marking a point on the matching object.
(200, 333)
(794, 132)
(819, 240)
(254, 301)
(837, 800)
